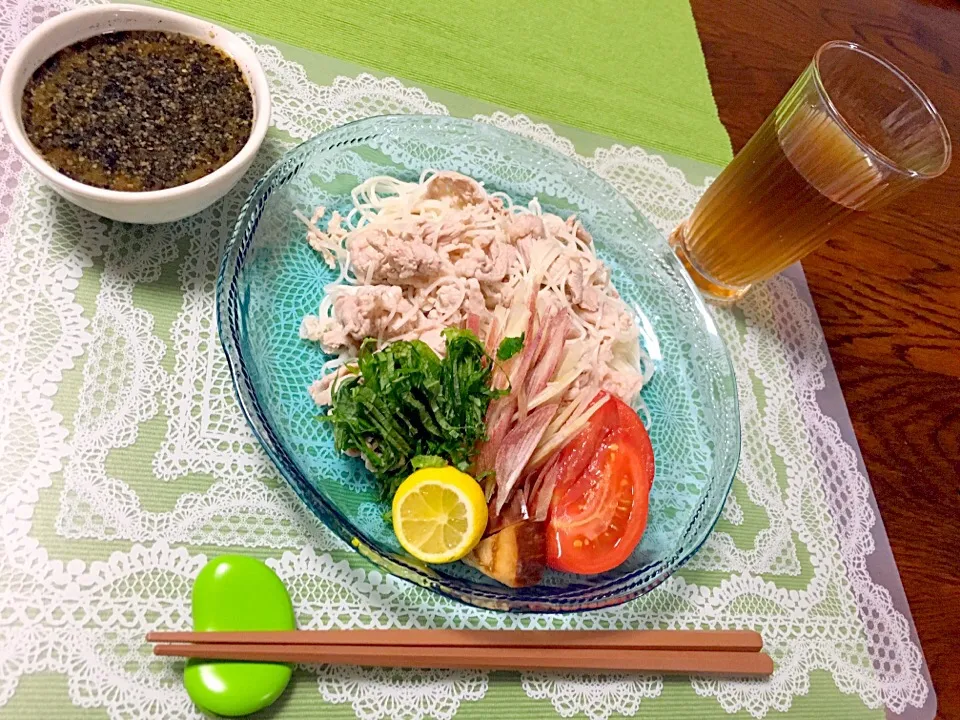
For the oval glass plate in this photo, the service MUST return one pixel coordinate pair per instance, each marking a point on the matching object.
(271, 278)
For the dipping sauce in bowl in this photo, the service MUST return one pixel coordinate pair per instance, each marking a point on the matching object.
(138, 110)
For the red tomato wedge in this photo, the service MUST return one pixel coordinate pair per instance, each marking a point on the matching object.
(599, 507)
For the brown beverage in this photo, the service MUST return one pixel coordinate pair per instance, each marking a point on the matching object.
(852, 134)
(798, 178)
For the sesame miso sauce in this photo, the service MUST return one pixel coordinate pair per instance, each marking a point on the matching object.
(138, 110)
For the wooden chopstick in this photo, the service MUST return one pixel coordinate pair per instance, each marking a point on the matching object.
(709, 652)
(686, 640)
(685, 662)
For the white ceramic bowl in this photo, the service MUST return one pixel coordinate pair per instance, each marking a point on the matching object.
(154, 206)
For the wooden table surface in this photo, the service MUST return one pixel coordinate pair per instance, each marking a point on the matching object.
(887, 290)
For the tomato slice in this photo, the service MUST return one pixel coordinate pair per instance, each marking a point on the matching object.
(578, 453)
(599, 507)
(630, 421)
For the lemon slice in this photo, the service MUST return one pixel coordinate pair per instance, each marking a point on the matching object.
(439, 514)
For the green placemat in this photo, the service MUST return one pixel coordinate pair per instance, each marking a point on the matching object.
(631, 70)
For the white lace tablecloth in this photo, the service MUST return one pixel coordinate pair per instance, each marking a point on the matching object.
(127, 463)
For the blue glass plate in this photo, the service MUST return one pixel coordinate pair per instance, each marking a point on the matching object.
(271, 278)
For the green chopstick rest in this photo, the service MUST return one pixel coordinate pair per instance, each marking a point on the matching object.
(233, 592)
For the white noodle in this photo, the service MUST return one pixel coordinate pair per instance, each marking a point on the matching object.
(468, 230)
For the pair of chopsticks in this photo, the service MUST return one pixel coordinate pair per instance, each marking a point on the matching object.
(676, 652)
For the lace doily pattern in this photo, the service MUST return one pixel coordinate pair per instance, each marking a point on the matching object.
(111, 502)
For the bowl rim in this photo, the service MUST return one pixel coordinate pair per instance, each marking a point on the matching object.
(203, 30)
(617, 591)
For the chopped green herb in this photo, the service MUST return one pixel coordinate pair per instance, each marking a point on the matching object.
(427, 461)
(510, 347)
(407, 403)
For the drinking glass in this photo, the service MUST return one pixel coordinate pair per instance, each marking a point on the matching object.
(852, 134)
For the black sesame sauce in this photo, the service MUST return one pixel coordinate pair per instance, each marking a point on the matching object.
(138, 110)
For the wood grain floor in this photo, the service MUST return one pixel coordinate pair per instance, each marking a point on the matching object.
(887, 290)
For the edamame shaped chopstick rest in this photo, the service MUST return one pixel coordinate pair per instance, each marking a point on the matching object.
(233, 592)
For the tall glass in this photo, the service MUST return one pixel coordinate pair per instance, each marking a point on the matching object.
(852, 134)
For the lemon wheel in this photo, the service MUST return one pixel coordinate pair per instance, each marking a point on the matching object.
(439, 514)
